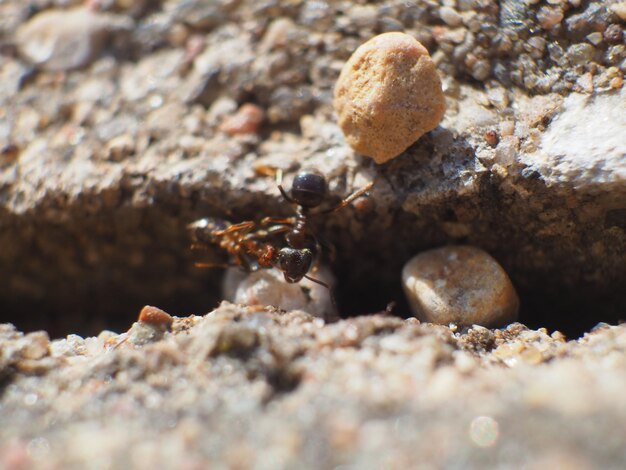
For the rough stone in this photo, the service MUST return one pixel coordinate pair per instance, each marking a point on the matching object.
(61, 40)
(584, 143)
(388, 95)
(459, 284)
(285, 389)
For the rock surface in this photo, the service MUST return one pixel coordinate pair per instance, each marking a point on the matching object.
(388, 95)
(255, 388)
(107, 164)
(459, 284)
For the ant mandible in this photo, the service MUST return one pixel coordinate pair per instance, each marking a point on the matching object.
(308, 192)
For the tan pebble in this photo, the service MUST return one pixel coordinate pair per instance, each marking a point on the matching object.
(616, 82)
(156, 317)
(388, 95)
(619, 9)
(246, 120)
(459, 284)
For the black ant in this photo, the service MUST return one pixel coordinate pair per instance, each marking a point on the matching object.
(308, 192)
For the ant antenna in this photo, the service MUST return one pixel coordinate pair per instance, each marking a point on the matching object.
(322, 283)
(349, 199)
(279, 183)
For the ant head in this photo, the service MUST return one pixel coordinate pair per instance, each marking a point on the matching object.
(308, 189)
(294, 263)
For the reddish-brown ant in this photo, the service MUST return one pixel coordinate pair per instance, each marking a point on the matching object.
(252, 246)
(245, 248)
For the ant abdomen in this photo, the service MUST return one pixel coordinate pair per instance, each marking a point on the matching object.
(203, 230)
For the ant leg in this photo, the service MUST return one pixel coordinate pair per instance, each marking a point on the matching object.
(201, 264)
(264, 234)
(240, 262)
(247, 225)
(277, 221)
(349, 199)
(277, 230)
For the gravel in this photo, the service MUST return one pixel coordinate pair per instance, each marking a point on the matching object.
(259, 388)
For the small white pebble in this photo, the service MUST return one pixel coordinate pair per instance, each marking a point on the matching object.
(268, 287)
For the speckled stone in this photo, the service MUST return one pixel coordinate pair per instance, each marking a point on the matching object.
(388, 95)
(459, 284)
(67, 39)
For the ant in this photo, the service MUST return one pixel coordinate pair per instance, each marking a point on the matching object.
(254, 246)
(308, 191)
(246, 248)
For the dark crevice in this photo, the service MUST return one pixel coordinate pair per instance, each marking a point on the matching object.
(95, 271)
